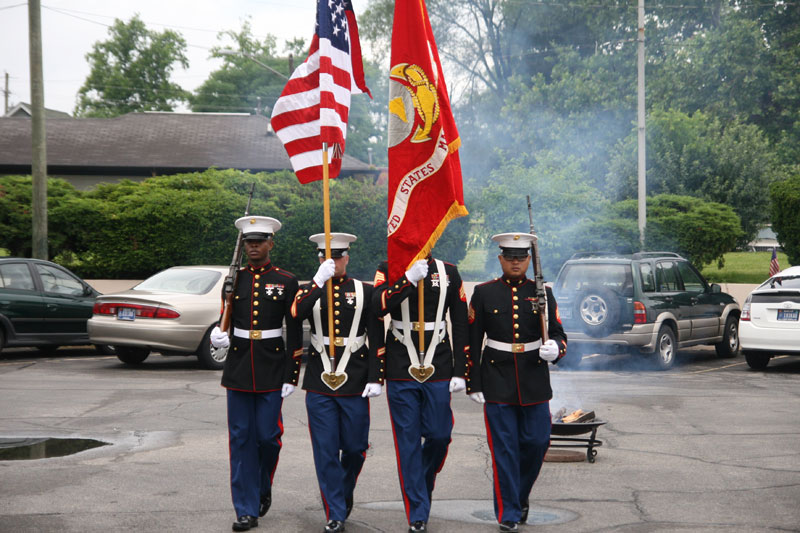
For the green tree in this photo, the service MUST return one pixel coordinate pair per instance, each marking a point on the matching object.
(785, 197)
(698, 155)
(131, 72)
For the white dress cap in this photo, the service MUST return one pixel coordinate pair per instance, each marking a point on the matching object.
(514, 240)
(256, 227)
(339, 241)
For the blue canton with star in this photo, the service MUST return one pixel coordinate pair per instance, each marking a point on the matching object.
(332, 23)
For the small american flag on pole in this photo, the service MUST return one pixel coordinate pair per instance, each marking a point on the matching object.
(774, 267)
(314, 105)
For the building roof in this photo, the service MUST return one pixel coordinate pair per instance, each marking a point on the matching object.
(23, 110)
(151, 144)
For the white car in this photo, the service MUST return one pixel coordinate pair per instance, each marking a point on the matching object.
(770, 320)
(171, 312)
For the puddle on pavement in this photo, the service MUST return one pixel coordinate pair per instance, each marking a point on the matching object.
(25, 449)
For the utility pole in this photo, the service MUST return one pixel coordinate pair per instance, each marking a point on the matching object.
(38, 136)
(642, 137)
(5, 93)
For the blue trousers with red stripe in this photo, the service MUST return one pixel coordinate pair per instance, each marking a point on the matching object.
(339, 428)
(518, 439)
(254, 439)
(419, 411)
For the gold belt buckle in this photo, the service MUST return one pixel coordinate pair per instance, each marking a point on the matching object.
(338, 341)
(517, 347)
(415, 326)
(255, 334)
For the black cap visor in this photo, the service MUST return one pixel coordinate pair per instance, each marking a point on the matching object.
(515, 252)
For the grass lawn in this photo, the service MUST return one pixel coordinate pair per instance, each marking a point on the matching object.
(744, 267)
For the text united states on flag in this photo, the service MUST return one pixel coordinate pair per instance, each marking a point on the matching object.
(315, 103)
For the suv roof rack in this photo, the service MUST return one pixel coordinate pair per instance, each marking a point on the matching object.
(583, 255)
(642, 255)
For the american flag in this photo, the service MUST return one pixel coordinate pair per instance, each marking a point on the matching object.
(314, 106)
(774, 267)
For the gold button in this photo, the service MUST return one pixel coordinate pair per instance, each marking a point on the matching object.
(515, 298)
(274, 297)
(516, 307)
(255, 294)
(336, 321)
(335, 294)
(336, 288)
(255, 313)
(255, 322)
(492, 361)
(516, 315)
(236, 298)
(336, 304)
(255, 303)
(257, 276)
(336, 331)
(513, 289)
(255, 285)
(495, 311)
(235, 348)
(336, 312)
(516, 326)
(516, 335)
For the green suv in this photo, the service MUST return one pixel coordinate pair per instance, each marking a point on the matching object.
(649, 302)
(43, 304)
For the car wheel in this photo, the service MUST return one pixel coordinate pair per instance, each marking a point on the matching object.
(132, 356)
(729, 345)
(756, 360)
(105, 349)
(211, 358)
(598, 310)
(666, 346)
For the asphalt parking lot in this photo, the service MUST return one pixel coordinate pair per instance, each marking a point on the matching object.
(707, 446)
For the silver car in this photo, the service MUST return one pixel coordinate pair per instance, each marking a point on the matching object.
(172, 312)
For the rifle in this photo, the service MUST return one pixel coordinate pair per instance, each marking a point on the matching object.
(541, 295)
(233, 272)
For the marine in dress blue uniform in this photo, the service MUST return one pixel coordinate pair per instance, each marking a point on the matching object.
(511, 376)
(338, 388)
(418, 392)
(260, 370)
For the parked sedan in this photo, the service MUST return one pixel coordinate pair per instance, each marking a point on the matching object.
(43, 304)
(770, 321)
(172, 312)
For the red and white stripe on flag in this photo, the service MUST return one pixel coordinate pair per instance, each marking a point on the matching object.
(774, 267)
(314, 105)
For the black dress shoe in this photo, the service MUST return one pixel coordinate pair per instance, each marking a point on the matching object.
(508, 527)
(348, 504)
(266, 501)
(244, 523)
(334, 526)
(418, 526)
(523, 518)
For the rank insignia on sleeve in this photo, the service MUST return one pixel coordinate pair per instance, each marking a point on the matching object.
(462, 294)
(471, 314)
(379, 278)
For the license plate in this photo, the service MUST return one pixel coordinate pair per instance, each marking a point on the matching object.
(126, 314)
(788, 314)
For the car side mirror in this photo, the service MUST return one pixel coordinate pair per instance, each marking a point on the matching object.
(87, 290)
(715, 288)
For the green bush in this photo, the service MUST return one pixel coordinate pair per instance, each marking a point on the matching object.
(785, 196)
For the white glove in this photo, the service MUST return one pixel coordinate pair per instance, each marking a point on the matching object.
(457, 384)
(372, 390)
(324, 272)
(549, 351)
(417, 271)
(219, 339)
(286, 390)
(477, 397)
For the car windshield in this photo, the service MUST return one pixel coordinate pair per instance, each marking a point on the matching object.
(577, 277)
(180, 280)
(782, 282)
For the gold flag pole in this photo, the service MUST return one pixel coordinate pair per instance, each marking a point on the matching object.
(326, 207)
(421, 318)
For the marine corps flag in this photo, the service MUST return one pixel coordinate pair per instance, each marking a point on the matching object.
(425, 190)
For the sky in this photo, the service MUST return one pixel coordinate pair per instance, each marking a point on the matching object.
(71, 27)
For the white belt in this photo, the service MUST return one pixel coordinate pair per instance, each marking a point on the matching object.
(516, 347)
(429, 326)
(257, 334)
(358, 342)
